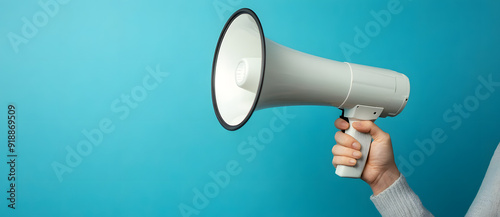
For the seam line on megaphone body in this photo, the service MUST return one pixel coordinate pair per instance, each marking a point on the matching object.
(350, 86)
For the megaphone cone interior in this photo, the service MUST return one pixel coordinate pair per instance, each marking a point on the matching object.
(238, 69)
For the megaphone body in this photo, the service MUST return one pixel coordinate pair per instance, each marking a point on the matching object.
(251, 72)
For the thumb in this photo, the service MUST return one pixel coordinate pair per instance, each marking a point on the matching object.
(371, 128)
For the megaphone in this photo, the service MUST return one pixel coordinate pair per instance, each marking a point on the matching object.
(251, 72)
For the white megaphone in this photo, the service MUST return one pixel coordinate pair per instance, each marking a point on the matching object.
(251, 72)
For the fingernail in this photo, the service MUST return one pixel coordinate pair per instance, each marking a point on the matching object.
(356, 124)
(352, 161)
(356, 154)
(356, 145)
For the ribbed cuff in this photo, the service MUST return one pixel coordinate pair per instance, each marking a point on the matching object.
(399, 200)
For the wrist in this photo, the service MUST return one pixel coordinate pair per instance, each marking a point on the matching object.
(384, 180)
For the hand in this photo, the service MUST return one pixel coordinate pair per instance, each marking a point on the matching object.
(380, 170)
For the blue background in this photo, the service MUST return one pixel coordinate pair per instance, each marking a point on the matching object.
(66, 78)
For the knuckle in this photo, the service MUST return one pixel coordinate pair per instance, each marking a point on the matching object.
(386, 136)
(338, 150)
(343, 139)
(334, 149)
(338, 135)
(335, 160)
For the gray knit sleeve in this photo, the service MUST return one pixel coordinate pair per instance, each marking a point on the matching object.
(399, 200)
(487, 201)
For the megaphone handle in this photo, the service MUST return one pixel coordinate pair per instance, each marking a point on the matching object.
(365, 140)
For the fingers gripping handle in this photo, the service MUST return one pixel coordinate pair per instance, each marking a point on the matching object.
(365, 140)
(358, 113)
